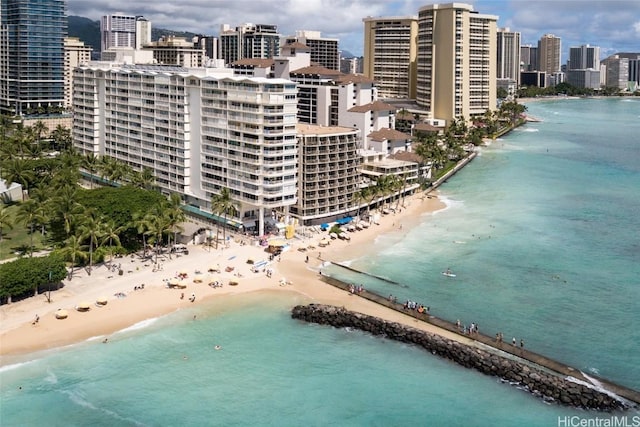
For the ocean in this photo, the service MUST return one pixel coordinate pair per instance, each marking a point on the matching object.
(541, 230)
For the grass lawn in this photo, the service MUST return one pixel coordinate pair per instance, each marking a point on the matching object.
(16, 241)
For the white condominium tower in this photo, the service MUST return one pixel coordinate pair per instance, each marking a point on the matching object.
(197, 132)
(456, 61)
(584, 57)
(124, 31)
(390, 55)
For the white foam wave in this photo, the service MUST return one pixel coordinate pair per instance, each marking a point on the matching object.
(597, 385)
(14, 366)
(448, 203)
(51, 378)
(527, 129)
(77, 398)
(140, 325)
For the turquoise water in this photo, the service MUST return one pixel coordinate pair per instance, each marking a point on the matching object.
(542, 232)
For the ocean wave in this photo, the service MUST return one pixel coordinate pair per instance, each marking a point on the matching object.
(51, 377)
(448, 203)
(14, 366)
(77, 398)
(527, 130)
(139, 325)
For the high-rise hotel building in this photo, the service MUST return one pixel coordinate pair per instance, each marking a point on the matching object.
(549, 54)
(390, 52)
(248, 41)
(198, 132)
(324, 51)
(456, 75)
(508, 56)
(32, 36)
(124, 31)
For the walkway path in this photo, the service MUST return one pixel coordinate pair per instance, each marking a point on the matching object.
(491, 344)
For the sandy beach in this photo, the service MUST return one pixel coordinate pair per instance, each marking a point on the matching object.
(19, 335)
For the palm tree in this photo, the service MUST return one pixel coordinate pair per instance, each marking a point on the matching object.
(141, 223)
(28, 213)
(157, 225)
(39, 130)
(111, 233)
(19, 171)
(5, 220)
(175, 215)
(223, 204)
(145, 179)
(91, 228)
(72, 251)
(41, 197)
(357, 198)
(67, 208)
(112, 169)
(90, 164)
(61, 137)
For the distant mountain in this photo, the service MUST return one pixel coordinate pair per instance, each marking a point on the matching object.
(347, 54)
(89, 32)
(86, 30)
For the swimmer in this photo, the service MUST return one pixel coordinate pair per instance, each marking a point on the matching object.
(104, 341)
(217, 347)
(185, 357)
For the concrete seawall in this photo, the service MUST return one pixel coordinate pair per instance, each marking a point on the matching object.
(549, 386)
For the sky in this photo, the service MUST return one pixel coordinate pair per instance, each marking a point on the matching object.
(613, 25)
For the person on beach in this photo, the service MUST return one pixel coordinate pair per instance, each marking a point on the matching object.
(513, 341)
(521, 344)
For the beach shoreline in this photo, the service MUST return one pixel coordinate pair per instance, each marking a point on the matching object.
(298, 267)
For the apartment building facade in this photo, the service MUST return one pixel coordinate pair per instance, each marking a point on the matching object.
(196, 131)
(456, 74)
(118, 31)
(390, 52)
(324, 51)
(508, 55)
(171, 50)
(549, 54)
(328, 171)
(75, 53)
(248, 41)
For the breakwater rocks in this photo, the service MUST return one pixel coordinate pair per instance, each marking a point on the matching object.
(548, 386)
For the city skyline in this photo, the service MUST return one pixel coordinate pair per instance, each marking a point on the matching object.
(614, 26)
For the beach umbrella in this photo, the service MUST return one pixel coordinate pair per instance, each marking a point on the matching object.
(83, 306)
(62, 314)
(277, 242)
(173, 281)
(101, 301)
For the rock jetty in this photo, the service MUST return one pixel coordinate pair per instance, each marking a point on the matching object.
(541, 383)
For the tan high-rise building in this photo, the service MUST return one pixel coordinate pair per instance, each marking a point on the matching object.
(456, 74)
(75, 54)
(549, 54)
(390, 51)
